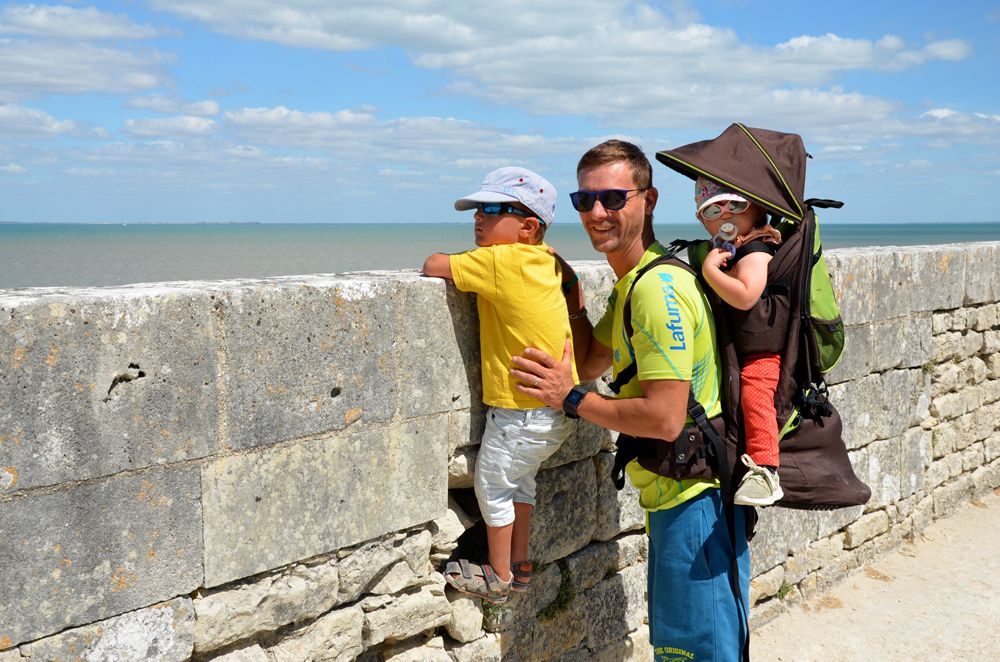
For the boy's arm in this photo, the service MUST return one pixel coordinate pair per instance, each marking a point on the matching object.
(438, 265)
(742, 287)
(592, 358)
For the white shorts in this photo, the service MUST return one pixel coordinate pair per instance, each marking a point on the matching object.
(515, 443)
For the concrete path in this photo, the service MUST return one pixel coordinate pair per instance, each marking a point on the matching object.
(935, 599)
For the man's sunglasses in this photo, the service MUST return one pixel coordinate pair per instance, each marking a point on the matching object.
(497, 208)
(714, 210)
(611, 199)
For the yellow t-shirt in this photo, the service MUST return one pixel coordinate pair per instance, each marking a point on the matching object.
(673, 338)
(519, 296)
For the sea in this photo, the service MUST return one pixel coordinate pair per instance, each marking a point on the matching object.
(89, 255)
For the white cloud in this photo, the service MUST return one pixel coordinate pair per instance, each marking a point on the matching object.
(12, 168)
(162, 103)
(30, 122)
(61, 22)
(32, 68)
(184, 125)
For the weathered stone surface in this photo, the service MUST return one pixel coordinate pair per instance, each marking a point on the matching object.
(296, 594)
(951, 495)
(617, 510)
(359, 570)
(440, 368)
(461, 468)
(881, 406)
(914, 457)
(252, 653)
(104, 381)
(418, 649)
(96, 550)
(258, 516)
(10, 656)
(903, 342)
(405, 615)
(982, 276)
(545, 639)
(567, 489)
(446, 530)
(484, 649)
(766, 585)
(780, 531)
(598, 560)
(335, 637)
(614, 607)
(866, 528)
(585, 442)
(161, 633)
(884, 471)
(308, 356)
(466, 622)
(633, 648)
(817, 555)
(940, 322)
(857, 358)
(985, 479)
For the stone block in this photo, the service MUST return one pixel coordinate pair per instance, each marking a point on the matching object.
(872, 285)
(466, 622)
(881, 406)
(465, 428)
(617, 510)
(568, 489)
(405, 615)
(544, 639)
(858, 355)
(779, 532)
(947, 346)
(986, 479)
(585, 442)
(914, 457)
(336, 637)
(309, 356)
(949, 405)
(236, 612)
(945, 378)
(161, 633)
(440, 362)
(940, 322)
(972, 343)
(462, 469)
(614, 607)
(951, 495)
(484, 649)
(598, 560)
(936, 474)
(992, 447)
(766, 585)
(866, 528)
(417, 649)
(96, 550)
(982, 277)
(633, 648)
(884, 472)
(97, 382)
(251, 653)
(832, 521)
(902, 342)
(972, 457)
(277, 505)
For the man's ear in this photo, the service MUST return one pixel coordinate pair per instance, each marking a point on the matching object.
(652, 195)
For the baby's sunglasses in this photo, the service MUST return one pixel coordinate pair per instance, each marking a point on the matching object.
(611, 199)
(714, 210)
(497, 208)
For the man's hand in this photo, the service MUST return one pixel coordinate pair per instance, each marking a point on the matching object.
(544, 377)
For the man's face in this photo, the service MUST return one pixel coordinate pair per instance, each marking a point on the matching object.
(615, 231)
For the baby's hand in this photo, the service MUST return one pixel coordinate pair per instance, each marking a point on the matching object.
(716, 259)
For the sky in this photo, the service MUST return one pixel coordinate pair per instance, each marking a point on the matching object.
(387, 111)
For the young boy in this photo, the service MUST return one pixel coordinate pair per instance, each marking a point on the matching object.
(519, 295)
(740, 281)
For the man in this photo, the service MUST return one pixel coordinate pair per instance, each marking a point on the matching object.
(693, 614)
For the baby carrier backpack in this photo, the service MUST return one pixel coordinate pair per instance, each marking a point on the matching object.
(769, 167)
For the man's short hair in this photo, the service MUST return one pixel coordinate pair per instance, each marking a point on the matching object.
(616, 151)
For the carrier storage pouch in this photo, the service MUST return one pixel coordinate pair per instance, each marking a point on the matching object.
(691, 455)
(824, 312)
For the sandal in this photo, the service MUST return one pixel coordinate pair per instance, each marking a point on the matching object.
(522, 575)
(477, 580)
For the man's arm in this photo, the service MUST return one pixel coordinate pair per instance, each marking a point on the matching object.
(660, 412)
(438, 265)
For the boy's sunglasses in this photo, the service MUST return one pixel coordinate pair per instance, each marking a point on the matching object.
(714, 210)
(497, 208)
(611, 199)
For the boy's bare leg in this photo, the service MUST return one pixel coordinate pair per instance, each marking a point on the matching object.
(521, 533)
(499, 540)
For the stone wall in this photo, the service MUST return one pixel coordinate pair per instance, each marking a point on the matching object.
(276, 470)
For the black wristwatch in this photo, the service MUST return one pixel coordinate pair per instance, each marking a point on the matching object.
(573, 400)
